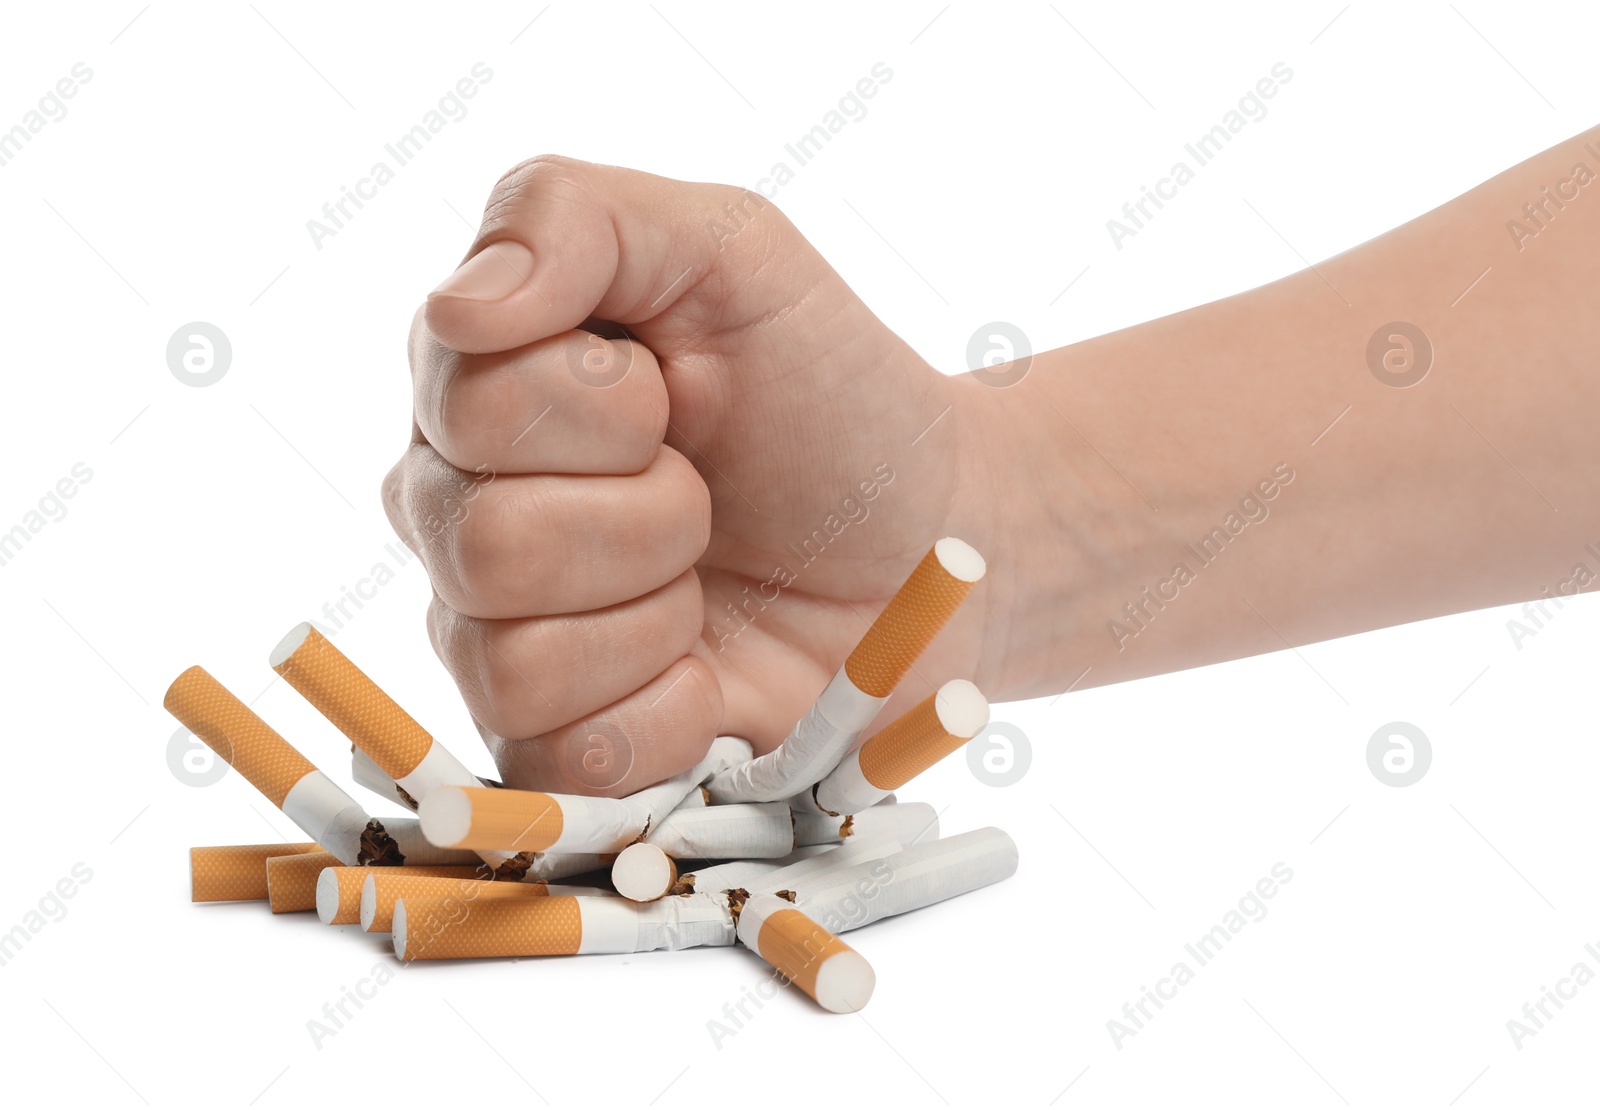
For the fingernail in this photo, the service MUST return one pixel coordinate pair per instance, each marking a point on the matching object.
(497, 271)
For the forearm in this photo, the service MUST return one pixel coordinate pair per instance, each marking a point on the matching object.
(1125, 479)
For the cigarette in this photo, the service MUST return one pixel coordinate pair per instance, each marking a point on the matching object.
(832, 859)
(908, 822)
(643, 872)
(566, 926)
(556, 926)
(859, 690)
(337, 896)
(292, 880)
(745, 830)
(381, 887)
(850, 897)
(809, 956)
(531, 821)
(305, 795)
(400, 748)
(235, 872)
(935, 727)
(718, 877)
(368, 774)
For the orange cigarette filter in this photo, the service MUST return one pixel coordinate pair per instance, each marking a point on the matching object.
(380, 891)
(809, 956)
(357, 707)
(247, 743)
(236, 872)
(337, 897)
(906, 748)
(449, 930)
(855, 694)
(512, 820)
(932, 729)
(929, 598)
(292, 880)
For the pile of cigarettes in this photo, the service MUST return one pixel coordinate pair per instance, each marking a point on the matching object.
(778, 852)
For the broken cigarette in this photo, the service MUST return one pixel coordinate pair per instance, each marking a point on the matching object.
(809, 956)
(400, 748)
(908, 822)
(935, 727)
(932, 871)
(531, 821)
(556, 926)
(288, 779)
(929, 597)
(743, 873)
(838, 898)
(743, 831)
(643, 872)
(236, 872)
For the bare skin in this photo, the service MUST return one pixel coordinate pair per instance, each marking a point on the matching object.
(586, 536)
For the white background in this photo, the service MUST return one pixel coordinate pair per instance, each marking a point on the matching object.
(177, 189)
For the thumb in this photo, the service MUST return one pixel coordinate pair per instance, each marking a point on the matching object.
(563, 241)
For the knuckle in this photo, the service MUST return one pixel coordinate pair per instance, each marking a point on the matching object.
(546, 173)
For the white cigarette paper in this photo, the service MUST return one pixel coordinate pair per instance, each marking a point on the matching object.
(908, 822)
(741, 831)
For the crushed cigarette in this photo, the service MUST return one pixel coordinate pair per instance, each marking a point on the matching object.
(938, 725)
(788, 850)
(853, 697)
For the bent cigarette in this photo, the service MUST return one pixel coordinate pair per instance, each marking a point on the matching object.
(292, 880)
(338, 889)
(809, 956)
(236, 872)
(643, 872)
(929, 731)
(853, 697)
(366, 773)
(532, 821)
(381, 887)
(747, 830)
(908, 822)
(288, 779)
(400, 748)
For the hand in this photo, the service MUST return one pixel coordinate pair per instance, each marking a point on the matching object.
(665, 468)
